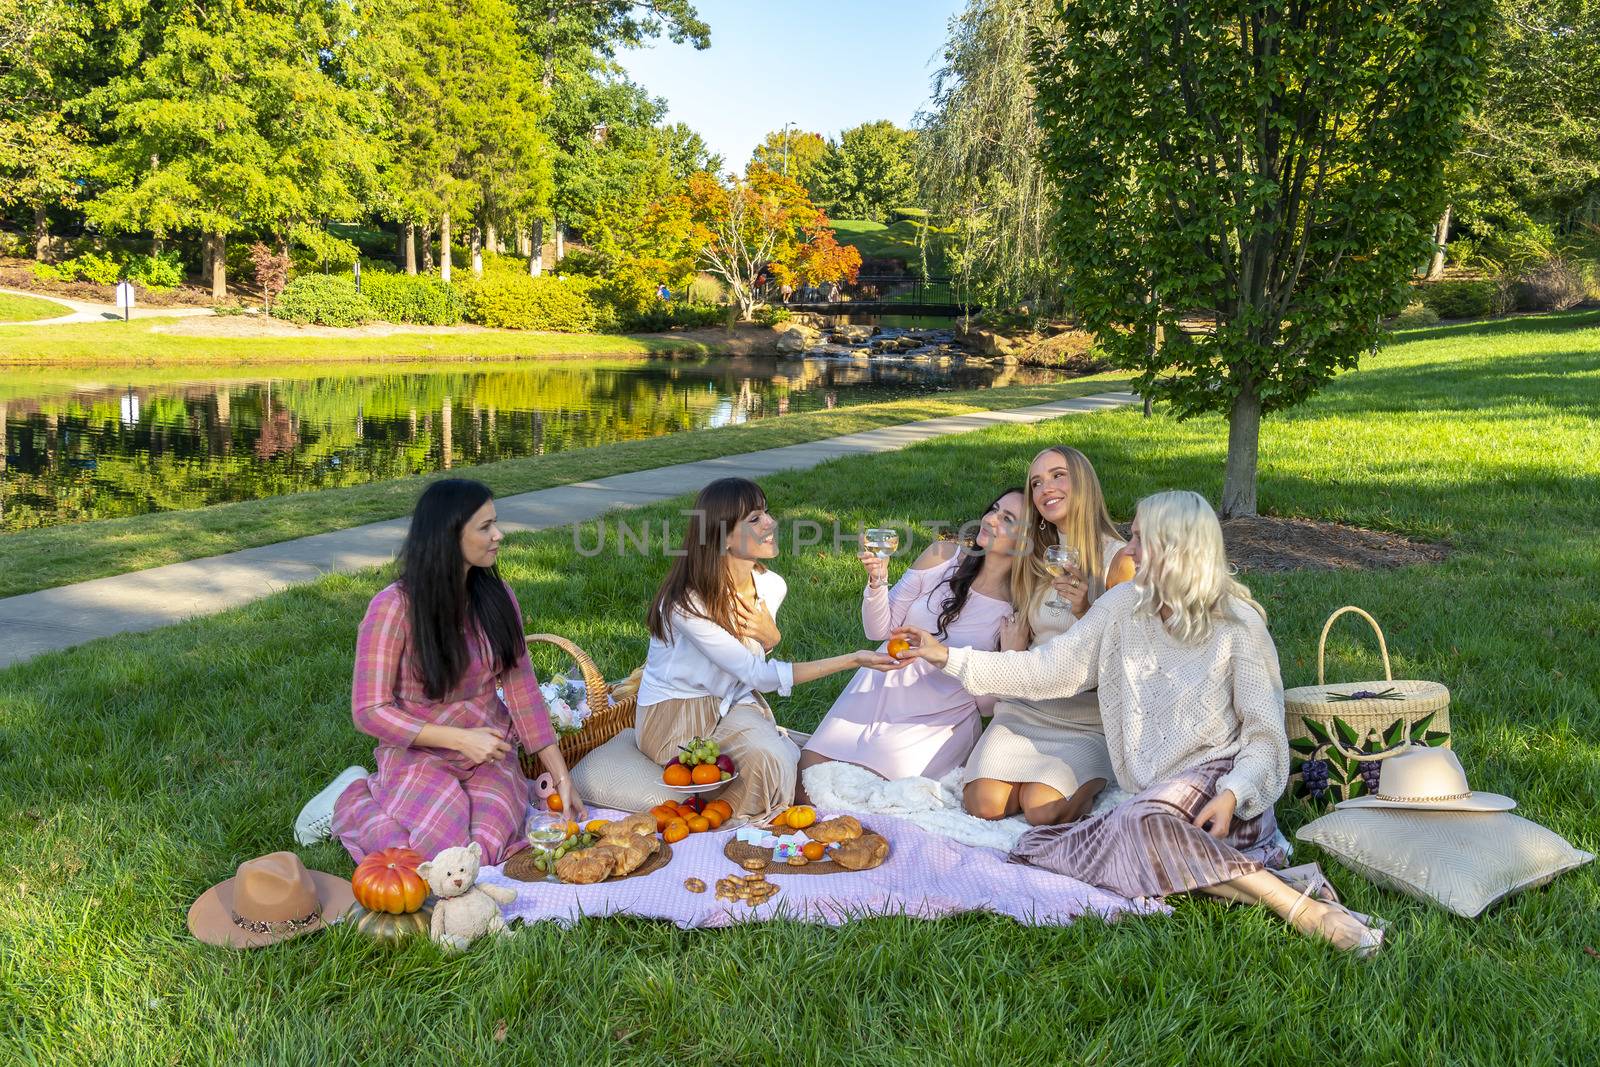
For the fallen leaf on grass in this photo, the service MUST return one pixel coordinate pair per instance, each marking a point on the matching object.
(1588, 951)
(499, 1030)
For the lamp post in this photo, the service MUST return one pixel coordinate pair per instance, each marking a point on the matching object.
(786, 126)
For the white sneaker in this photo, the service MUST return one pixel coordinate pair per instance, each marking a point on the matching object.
(315, 821)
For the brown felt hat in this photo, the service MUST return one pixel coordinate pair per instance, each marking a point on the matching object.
(270, 899)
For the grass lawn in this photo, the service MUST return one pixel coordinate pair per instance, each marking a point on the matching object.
(14, 308)
(147, 341)
(142, 769)
(57, 555)
(901, 240)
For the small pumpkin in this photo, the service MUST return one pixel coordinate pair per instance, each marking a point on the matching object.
(388, 881)
(385, 926)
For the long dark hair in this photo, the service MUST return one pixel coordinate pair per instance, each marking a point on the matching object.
(442, 608)
(697, 582)
(966, 572)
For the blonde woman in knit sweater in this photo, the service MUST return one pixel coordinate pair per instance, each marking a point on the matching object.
(1048, 758)
(1193, 705)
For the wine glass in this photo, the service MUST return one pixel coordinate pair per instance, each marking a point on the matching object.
(1057, 558)
(882, 541)
(546, 832)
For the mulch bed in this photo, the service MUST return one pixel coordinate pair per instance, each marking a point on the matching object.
(18, 274)
(1265, 544)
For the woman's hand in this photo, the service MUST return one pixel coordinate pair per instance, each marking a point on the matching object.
(924, 646)
(1073, 587)
(759, 624)
(1015, 633)
(571, 802)
(1218, 813)
(482, 744)
(877, 569)
(878, 661)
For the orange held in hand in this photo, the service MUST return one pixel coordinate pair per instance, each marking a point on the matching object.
(676, 830)
(553, 801)
(898, 646)
(705, 774)
(677, 774)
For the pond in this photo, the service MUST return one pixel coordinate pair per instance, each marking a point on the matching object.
(105, 443)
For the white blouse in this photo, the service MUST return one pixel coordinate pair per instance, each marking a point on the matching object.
(702, 659)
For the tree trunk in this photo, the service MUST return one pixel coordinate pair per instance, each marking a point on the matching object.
(205, 259)
(411, 248)
(492, 239)
(219, 267)
(1441, 234)
(41, 232)
(536, 256)
(156, 245)
(561, 242)
(477, 251)
(444, 246)
(427, 249)
(1244, 446)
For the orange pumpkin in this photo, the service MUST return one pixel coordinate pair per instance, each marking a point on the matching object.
(388, 881)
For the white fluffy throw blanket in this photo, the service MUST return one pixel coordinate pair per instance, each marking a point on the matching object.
(934, 806)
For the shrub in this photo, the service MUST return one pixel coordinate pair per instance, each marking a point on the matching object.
(704, 289)
(1416, 313)
(47, 272)
(1553, 284)
(510, 301)
(157, 273)
(420, 299)
(1465, 299)
(325, 299)
(771, 316)
(665, 316)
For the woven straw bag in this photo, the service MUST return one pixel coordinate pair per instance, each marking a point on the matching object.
(1338, 728)
(607, 716)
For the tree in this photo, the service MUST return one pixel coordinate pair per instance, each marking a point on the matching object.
(761, 223)
(797, 153)
(1270, 170)
(979, 163)
(42, 149)
(870, 171)
(271, 270)
(821, 259)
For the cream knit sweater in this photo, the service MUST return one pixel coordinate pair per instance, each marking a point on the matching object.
(1167, 706)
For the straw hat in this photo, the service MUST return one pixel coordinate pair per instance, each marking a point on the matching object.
(270, 899)
(1428, 779)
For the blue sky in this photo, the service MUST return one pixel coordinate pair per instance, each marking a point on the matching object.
(826, 65)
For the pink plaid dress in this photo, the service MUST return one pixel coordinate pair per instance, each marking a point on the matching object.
(430, 799)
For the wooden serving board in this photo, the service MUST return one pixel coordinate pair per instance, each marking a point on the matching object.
(521, 868)
(739, 851)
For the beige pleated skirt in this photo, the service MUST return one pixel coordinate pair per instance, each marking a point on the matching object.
(763, 753)
(1061, 743)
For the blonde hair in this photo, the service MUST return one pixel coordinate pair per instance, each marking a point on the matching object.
(1184, 566)
(1088, 525)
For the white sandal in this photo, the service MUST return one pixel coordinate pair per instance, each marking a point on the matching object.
(1366, 945)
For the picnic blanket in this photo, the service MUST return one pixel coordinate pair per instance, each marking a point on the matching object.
(926, 876)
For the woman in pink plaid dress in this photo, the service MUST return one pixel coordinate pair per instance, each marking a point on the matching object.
(434, 654)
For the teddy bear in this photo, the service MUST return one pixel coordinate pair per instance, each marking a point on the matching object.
(463, 910)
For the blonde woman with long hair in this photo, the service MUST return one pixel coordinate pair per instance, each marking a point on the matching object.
(1193, 704)
(1047, 758)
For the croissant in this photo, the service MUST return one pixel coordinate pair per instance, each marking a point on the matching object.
(633, 825)
(844, 828)
(861, 853)
(631, 857)
(589, 865)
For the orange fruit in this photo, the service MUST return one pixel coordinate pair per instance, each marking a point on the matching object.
(813, 850)
(676, 830)
(572, 829)
(594, 826)
(706, 774)
(713, 816)
(553, 801)
(684, 811)
(664, 814)
(898, 646)
(722, 807)
(800, 817)
(677, 774)
(699, 824)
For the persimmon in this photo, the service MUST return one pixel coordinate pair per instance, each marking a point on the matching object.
(699, 824)
(685, 812)
(677, 774)
(664, 813)
(713, 816)
(723, 808)
(676, 830)
(706, 774)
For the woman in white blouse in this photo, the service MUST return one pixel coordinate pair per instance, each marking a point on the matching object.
(1192, 701)
(712, 626)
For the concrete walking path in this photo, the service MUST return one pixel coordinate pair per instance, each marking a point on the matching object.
(69, 615)
(90, 311)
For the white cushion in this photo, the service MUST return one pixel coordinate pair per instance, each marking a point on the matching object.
(618, 775)
(1462, 861)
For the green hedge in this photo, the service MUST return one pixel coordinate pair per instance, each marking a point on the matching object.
(519, 302)
(419, 299)
(1467, 299)
(325, 299)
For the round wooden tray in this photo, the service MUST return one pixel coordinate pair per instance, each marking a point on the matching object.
(739, 851)
(521, 868)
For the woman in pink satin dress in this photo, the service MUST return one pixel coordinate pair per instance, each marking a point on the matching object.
(915, 721)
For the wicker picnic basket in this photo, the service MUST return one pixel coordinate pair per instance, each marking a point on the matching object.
(611, 707)
(1341, 731)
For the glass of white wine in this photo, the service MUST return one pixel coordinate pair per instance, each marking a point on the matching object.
(546, 832)
(881, 541)
(1057, 558)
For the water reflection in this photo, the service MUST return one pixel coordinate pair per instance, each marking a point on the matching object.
(78, 449)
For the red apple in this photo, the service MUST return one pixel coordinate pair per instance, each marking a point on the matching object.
(725, 763)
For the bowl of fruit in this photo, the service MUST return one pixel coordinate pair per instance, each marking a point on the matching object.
(701, 767)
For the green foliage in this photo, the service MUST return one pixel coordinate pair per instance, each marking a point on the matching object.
(325, 300)
(676, 314)
(102, 268)
(313, 248)
(1458, 299)
(772, 316)
(869, 172)
(1415, 314)
(421, 299)
(157, 272)
(799, 154)
(517, 302)
(1270, 169)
